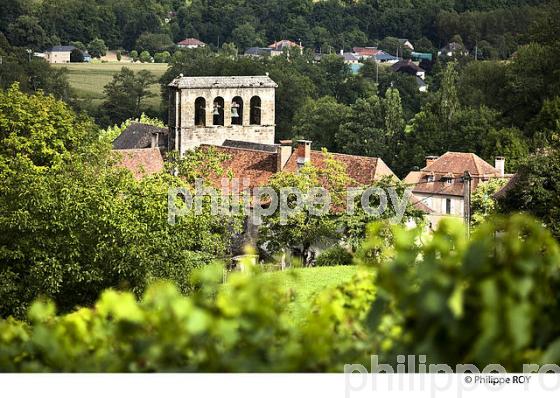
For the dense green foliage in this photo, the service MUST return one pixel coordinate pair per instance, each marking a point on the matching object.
(536, 189)
(71, 225)
(32, 74)
(335, 255)
(319, 222)
(455, 301)
(305, 284)
(151, 25)
(483, 204)
(125, 95)
(480, 301)
(243, 325)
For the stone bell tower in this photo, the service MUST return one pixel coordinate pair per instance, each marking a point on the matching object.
(210, 110)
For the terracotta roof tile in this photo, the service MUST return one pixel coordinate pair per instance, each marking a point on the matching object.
(459, 162)
(257, 166)
(366, 51)
(362, 169)
(451, 165)
(141, 162)
(191, 41)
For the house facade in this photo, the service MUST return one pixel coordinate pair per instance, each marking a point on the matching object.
(278, 46)
(410, 68)
(453, 49)
(59, 54)
(440, 184)
(406, 44)
(191, 42)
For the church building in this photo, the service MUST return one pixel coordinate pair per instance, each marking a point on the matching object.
(211, 110)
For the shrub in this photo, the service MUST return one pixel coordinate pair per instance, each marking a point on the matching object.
(242, 326)
(76, 55)
(162, 57)
(72, 225)
(335, 255)
(97, 48)
(491, 299)
(145, 57)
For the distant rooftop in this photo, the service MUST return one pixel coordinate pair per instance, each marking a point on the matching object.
(249, 145)
(222, 82)
(281, 44)
(408, 66)
(258, 51)
(139, 136)
(191, 41)
(61, 49)
(366, 51)
(383, 56)
(349, 57)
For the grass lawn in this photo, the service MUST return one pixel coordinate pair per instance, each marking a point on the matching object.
(88, 79)
(308, 282)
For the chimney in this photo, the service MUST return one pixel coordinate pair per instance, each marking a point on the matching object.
(304, 152)
(430, 160)
(500, 164)
(155, 139)
(283, 153)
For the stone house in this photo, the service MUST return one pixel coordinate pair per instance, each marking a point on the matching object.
(191, 42)
(59, 54)
(140, 136)
(440, 185)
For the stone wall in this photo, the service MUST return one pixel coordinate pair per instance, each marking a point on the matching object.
(188, 135)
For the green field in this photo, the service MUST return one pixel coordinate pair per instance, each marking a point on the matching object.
(306, 283)
(88, 79)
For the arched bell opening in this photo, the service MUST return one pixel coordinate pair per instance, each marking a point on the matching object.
(237, 111)
(200, 112)
(218, 111)
(255, 116)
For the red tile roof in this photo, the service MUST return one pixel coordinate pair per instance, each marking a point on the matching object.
(459, 162)
(257, 166)
(191, 41)
(362, 169)
(451, 165)
(366, 51)
(141, 162)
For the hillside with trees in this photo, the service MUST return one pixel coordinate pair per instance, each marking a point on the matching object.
(499, 26)
(94, 277)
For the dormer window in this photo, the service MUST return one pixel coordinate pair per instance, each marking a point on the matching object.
(447, 179)
(430, 178)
